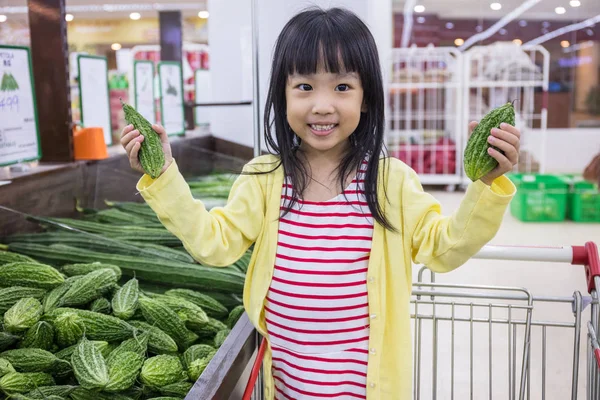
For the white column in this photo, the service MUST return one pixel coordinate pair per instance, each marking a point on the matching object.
(231, 52)
(230, 47)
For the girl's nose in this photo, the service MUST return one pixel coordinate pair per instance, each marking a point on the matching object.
(323, 106)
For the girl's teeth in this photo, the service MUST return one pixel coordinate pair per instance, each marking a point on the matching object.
(322, 127)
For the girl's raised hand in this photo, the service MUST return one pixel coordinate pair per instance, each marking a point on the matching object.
(131, 140)
(507, 139)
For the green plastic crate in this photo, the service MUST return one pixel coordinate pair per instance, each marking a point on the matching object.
(539, 197)
(584, 202)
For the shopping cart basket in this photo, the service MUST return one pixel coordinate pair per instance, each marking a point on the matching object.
(487, 336)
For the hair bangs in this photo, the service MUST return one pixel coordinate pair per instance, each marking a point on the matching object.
(321, 47)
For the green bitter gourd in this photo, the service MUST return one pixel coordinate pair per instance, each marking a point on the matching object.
(151, 155)
(477, 161)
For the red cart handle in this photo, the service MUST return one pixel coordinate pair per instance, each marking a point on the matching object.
(255, 370)
(588, 256)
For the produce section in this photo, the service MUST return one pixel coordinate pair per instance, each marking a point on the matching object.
(98, 300)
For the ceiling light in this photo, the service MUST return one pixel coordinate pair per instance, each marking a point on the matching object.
(116, 46)
(459, 41)
(69, 17)
(589, 32)
(203, 14)
(421, 20)
(545, 24)
(502, 31)
(518, 42)
(479, 28)
(574, 3)
(135, 16)
(522, 23)
(419, 8)
(495, 6)
(560, 10)
(449, 25)
(565, 44)
(3, 18)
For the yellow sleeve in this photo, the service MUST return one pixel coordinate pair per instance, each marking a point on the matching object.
(218, 237)
(443, 243)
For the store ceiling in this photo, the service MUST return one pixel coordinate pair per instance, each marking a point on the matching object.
(110, 9)
(450, 9)
(470, 9)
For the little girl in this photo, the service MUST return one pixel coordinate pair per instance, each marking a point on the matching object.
(335, 224)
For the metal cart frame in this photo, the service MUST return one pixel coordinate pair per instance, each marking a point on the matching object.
(508, 310)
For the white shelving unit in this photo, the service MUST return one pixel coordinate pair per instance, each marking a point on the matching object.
(435, 91)
(424, 124)
(503, 72)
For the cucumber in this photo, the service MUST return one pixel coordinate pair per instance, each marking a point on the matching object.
(102, 244)
(150, 269)
(96, 227)
(141, 209)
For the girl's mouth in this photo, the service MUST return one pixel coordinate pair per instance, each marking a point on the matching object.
(322, 130)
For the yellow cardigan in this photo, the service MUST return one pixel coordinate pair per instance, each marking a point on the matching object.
(221, 236)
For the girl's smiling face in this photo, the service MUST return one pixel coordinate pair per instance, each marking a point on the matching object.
(324, 109)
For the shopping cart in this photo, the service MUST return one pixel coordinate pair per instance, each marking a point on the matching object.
(477, 341)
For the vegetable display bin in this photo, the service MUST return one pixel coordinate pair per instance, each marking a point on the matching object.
(103, 194)
(539, 197)
(584, 202)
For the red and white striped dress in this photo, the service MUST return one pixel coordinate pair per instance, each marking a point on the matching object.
(317, 307)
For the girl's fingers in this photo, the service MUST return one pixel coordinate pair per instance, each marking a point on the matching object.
(132, 143)
(511, 129)
(129, 137)
(472, 126)
(126, 130)
(133, 154)
(503, 162)
(161, 131)
(506, 136)
(509, 150)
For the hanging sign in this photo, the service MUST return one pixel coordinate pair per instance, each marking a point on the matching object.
(93, 91)
(19, 131)
(143, 84)
(171, 97)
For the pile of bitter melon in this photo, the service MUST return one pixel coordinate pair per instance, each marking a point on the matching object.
(81, 332)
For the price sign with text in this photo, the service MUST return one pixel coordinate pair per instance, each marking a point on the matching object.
(19, 132)
(93, 91)
(171, 97)
(143, 83)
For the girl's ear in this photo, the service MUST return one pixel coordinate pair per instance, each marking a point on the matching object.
(363, 109)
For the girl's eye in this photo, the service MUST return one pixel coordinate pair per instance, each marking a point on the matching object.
(343, 87)
(304, 87)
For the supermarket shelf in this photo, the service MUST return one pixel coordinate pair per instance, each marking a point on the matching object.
(424, 115)
(423, 85)
(504, 84)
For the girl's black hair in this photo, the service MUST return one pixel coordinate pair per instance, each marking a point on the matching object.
(337, 40)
